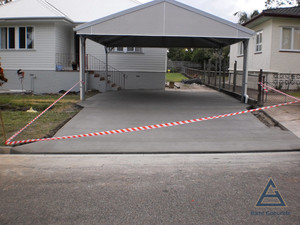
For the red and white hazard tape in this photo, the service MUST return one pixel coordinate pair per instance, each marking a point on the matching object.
(266, 86)
(8, 142)
(263, 86)
(127, 130)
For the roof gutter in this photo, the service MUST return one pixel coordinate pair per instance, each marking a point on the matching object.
(36, 19)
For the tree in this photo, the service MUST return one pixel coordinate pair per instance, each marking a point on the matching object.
(176, 54)
(244, 17)
(2, 2)
(277, 3)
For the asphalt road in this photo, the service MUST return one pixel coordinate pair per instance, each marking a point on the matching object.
(148, 189)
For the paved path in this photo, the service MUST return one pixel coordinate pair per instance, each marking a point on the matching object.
(125, 109)
(288, 116)
(147, 189)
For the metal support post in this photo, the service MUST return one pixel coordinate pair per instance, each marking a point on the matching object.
(245, 73)
(106, 66)
(234, 76)
(220, 67)
(259, 97)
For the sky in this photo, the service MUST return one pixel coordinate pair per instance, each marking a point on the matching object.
(224, 8)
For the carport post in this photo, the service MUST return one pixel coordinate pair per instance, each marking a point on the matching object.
(220, 66)
(82, 67)
(106, 66)
(245, 72)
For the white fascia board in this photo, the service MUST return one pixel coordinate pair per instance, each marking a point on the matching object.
(37, 19)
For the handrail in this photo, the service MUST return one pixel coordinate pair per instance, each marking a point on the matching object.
(114, 75)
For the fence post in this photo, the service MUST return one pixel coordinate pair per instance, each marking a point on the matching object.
(215, 73)
(204, 72)
(209, 70)
(224, 75)
(259, 97)
(234, 76)
(2, 125)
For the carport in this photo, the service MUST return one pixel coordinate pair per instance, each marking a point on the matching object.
(163, 24)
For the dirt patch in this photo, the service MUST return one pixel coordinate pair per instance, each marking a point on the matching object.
(267, 120)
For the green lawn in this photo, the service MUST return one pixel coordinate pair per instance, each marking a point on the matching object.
(13, 110)
(295, 94)
(175, 77)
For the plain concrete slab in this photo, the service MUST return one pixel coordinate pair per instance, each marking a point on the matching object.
(147, 189)
(288, 116)
(125, 109)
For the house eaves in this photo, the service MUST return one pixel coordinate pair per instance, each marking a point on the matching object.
(291, 12)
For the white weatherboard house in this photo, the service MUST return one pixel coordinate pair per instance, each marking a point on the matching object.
(37, 36)
(275, 47)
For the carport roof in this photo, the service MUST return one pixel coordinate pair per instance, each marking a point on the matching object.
(164, 23)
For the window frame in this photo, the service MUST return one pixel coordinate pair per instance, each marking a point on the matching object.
(259, 34)
(292, 49)
(241, 49)
(16, 45)
(136, 50)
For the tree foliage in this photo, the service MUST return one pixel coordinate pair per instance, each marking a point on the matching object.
(278, 3)
(244, 17)
(2, 2)
(199, 55)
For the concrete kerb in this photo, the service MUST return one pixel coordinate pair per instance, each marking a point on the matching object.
(5, 150)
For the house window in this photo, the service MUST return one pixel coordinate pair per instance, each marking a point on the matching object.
(290, 39)
(3, 38)
(9, 37)
(258, 44)
(240, 49)
(127, 49)
(25, 37)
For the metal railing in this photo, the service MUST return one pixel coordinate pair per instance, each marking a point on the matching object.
(112, 75)
(67, 62)
(63, 61)
(232, 81)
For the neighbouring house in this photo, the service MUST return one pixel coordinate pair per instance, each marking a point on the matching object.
(37, 36)
(275, 48)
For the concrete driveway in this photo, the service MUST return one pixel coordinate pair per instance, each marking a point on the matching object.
(125, 109)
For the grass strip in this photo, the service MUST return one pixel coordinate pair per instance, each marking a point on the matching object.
(15, 117)
(175, 77)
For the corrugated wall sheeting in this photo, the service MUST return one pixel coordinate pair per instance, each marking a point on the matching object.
(150, 60)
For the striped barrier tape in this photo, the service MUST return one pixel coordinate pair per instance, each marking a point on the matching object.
(20, 131)
(263, 86)
(135, 129)
(266, 86)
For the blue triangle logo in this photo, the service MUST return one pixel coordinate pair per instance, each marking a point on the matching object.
(271, 196)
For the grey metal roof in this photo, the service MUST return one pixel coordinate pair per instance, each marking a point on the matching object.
(74, 11)
(163, 23)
